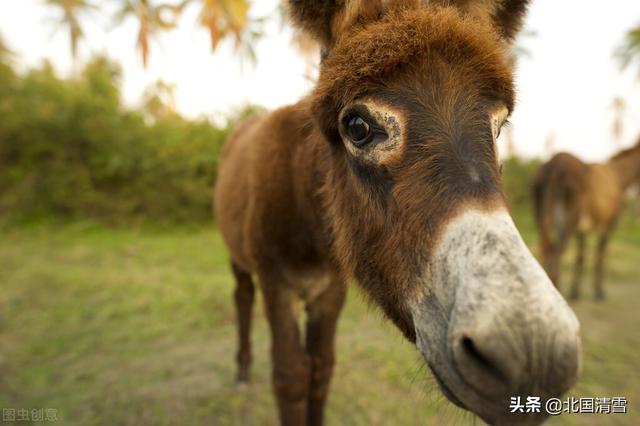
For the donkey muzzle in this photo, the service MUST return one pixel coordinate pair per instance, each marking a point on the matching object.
(492, 326)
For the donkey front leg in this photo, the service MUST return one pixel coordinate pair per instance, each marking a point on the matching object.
(322, 317)
(243, 297)
(579, 266)
(597, 282)
(291, 366)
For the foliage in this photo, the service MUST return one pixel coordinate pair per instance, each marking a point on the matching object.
(71, 9)
(69, 149)
(517, 181)
(221, 18)
(6, 71)
(230, 18)
(629, 50)
(152, 19)
(6, 55)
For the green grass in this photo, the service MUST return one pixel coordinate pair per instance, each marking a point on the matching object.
(136, 327)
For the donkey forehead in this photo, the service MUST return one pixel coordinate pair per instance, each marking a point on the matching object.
(369, 55)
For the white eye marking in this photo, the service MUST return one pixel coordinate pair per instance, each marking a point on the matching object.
(392, 120)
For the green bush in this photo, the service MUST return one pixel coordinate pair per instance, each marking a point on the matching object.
(517, 181)
(69, 149)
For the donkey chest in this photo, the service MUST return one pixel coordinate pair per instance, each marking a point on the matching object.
(308, 283)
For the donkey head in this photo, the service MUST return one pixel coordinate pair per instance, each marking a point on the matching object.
(411, 97)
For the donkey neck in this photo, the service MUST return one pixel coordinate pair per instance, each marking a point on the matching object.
(626, 166)
(311, 166)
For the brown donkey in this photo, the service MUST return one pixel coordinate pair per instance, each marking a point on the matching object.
(388, 173)
(574, 198)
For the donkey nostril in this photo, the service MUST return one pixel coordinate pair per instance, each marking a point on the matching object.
(482, 360)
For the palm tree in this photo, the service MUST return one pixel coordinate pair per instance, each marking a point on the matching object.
(629, 51)
(230, 19)
(221, 18)
(550, 144)
(151, 18)
(71, 10)
(618, 107)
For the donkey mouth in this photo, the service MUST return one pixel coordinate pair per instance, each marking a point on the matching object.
(486, 408)
(446, 391)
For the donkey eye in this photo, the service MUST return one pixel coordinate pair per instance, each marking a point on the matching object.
(358, 130)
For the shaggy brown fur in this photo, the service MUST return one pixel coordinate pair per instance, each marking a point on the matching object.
(304, 216)
(327, 20)
(575, 198)
(367, 59)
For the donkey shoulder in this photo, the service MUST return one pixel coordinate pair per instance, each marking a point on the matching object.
(266, 186)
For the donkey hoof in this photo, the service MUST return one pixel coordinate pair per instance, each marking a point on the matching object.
(600, 297)
(242, 380)
(242, 385)
(574, 296)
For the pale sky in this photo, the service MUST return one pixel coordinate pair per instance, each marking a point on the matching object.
(565, 88)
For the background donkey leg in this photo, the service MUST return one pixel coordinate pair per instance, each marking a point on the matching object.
(554, 259)
(565, 229)
(579, 266)
(291, 366)
(599, 272)
(322, 318)
(243, 297)
(546, 250)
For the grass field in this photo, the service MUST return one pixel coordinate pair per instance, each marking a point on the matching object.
(136, 327)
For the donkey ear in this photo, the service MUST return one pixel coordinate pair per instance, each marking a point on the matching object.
(507, 16)
(315, 17)
(327, 20)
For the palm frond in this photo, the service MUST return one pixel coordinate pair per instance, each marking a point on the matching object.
(629, 50)
(70, 19)
(152, 19)
(230, 19)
